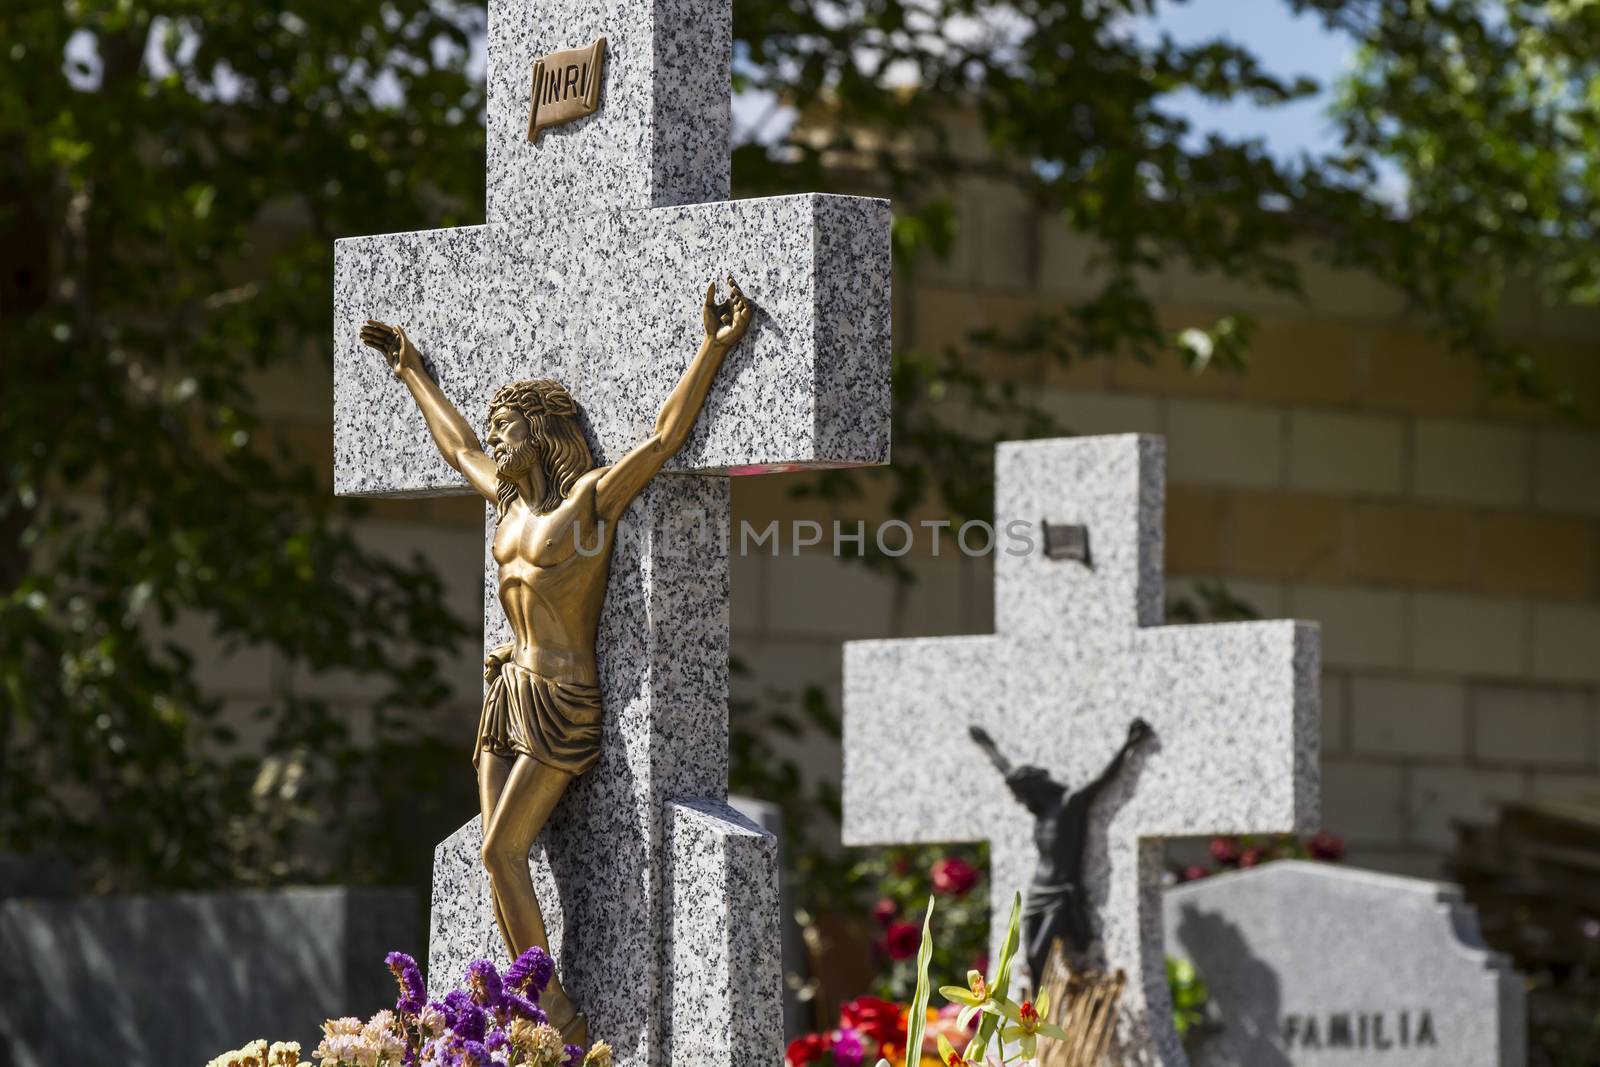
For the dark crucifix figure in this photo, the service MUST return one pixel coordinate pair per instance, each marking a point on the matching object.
(1056, 907)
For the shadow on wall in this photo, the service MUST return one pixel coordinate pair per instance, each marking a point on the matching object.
(177, 979)
(1245, 1013)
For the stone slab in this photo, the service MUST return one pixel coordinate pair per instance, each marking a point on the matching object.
(662, 135)
(1310, 964)
(717, 947)
(177, 979)
(604, 870)
(724, 978)
(1078, 653)
(609, 304)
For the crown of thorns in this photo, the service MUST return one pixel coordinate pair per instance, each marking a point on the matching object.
(535, 396)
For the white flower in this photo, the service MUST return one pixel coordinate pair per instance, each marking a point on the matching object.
(348, 1025)
(431, 1020)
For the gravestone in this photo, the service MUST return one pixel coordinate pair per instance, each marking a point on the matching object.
(1310, 964)
(660, 899)
(173, 978)
(1077, 654)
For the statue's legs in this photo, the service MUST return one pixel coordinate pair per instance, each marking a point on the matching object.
(526, 798)
(493, 771)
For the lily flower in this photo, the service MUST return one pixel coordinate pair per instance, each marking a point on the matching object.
(972, 998)
(1026, 1021)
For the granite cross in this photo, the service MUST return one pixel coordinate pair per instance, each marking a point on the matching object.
(600, 240)
(1077, 654)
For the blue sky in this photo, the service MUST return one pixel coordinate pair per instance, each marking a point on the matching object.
(1286, 45)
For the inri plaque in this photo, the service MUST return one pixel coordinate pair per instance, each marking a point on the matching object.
(566, 86)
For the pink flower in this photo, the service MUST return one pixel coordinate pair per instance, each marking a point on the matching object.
(1251, 857)
(1225, 850)
(884, 911)
(954, 876)
(901, 940)
(848, 1051)
(948, 1023)
(1326, 846)
(1193, 873)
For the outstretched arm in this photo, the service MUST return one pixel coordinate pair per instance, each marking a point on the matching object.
(985, 742)
(1138, 730)
(725, 324)
(451, 433)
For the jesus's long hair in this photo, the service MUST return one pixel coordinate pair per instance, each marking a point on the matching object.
(554, 438)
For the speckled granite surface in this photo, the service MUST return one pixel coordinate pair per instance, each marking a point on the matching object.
(660, 901)
(610, 305)
(717, 973)
(1319, 965)
(603, 869)
(721, 956)
(1077, 655)
(661, 136)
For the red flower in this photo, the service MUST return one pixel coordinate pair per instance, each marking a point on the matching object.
(1326, 846)
(1225, 850)
(954, 876)
(1193, 873)
(901, 940)
(1251, 857)
(804, 1050)
(884, 911)
(880, 1020)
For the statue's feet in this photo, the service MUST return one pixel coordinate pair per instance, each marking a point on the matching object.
(576, 1031)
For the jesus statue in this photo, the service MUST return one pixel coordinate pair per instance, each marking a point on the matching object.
(541, 721)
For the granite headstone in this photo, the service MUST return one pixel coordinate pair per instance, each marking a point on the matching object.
(661, 901)
(1315, 965)
(181, 977)
(1078, 652)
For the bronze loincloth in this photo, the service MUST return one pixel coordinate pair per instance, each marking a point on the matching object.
(527, 714)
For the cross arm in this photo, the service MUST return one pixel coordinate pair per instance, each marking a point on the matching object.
(610, 304)
(910, 764)
(1237, 740)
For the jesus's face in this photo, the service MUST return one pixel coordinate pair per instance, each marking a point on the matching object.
(510, 442)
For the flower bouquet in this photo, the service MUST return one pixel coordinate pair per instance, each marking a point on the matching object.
(494, 1020)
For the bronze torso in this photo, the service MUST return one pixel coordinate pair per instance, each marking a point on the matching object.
(552, 582)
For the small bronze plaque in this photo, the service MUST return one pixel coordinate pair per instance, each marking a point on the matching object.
(566, 86)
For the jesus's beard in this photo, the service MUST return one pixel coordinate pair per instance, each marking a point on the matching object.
(511, 466)
(518, 461)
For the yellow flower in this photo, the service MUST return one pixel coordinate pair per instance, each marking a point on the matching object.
(972, 999)
(1027, 1022)
(599, 1055)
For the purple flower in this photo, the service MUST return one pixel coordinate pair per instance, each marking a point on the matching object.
(574, 1056)
(530, 972)
(484, 981)
(465, 1017)
(409, 977)
(472, 1054)
(515, 1004)
(495, 1041)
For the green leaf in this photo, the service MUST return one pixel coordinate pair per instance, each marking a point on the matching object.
(917, 1018)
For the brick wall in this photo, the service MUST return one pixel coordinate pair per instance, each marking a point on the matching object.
(1448, 540)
